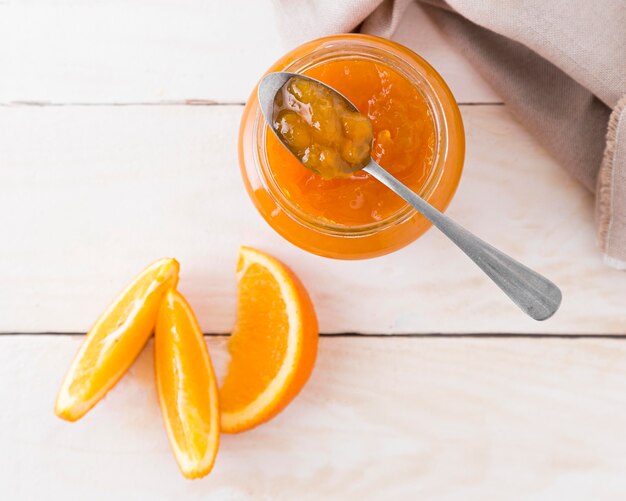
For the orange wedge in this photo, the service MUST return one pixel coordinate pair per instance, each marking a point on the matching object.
(115, 341)
(186, 387)
(273, 346)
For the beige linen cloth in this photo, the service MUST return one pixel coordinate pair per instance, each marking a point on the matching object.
(560, 66)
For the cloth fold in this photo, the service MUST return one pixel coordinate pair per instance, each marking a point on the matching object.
(560, 67)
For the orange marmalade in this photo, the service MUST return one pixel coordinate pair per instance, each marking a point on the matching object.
(417, 136)
(321, 128)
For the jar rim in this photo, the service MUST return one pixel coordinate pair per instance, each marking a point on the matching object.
(355, 46)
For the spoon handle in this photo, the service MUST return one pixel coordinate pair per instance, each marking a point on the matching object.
(537, 296)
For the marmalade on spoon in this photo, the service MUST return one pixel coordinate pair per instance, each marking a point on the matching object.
(321, 128)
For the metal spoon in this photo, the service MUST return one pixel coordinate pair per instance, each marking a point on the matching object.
(534, 294)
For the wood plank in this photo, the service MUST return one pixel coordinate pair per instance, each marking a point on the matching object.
(91, 195)
(144, 51)
(427, 418)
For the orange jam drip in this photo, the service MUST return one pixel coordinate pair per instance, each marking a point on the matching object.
(404, 137)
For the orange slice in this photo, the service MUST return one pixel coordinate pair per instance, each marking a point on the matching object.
(273, 346)
(115, 341)
(186, 387)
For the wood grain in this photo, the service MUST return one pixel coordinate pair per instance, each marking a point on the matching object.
(395, 418)
(143, 51)
(91, 195)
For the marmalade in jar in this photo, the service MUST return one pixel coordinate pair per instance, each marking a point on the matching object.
(416, 134)
(404, 137)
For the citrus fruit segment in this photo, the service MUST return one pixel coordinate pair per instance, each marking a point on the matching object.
(186, 386)
(273, 346)
(115, 341)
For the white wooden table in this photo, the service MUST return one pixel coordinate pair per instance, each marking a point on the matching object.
(118, 129)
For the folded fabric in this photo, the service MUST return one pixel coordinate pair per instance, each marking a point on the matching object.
(560, 66)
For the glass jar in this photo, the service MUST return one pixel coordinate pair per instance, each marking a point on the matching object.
(395, 231)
